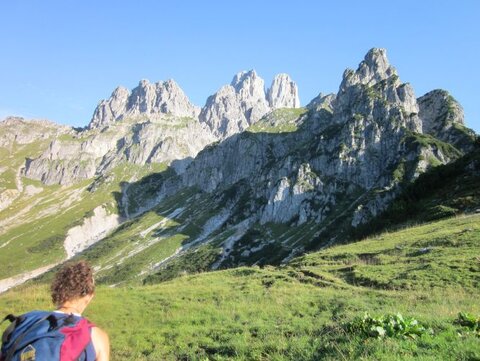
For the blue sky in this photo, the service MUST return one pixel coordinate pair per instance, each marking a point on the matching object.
(59, 58)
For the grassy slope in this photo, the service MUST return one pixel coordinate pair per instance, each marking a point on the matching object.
(35, 227)
(36, 238)
(283, 120)
(297, 312)
(443, 191)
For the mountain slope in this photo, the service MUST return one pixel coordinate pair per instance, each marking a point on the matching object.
(301, 311)
(444, 191)
(145, 188)
(280, 193)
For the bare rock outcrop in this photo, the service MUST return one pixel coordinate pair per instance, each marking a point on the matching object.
(442, 117)
(283, 93)
(242, 103)
(147, 99)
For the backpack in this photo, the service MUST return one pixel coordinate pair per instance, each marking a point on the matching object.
(47, 336)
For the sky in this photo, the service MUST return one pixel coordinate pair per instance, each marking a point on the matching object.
(58, 59)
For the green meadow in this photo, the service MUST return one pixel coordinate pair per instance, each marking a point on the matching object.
(303, 310)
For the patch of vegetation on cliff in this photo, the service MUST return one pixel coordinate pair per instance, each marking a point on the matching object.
(283, 120)
(441, 192)
(414, 140)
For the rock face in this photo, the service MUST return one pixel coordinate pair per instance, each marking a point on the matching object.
(322, 101)
(158, 142)
(242, 103)
(21, 131)
(376, 81)
(283, 93)
(296, 180)
(92, 230)
(236, 106)
(442, 117)
(108, 111)
(345, 163)
(373, 69)
(439, 111)
(156, 123)
(146, 99)
(161, 139)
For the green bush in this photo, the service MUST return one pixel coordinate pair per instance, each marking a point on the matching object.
(388, 325)
(470, 321)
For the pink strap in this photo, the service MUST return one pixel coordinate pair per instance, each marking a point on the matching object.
(76, 340)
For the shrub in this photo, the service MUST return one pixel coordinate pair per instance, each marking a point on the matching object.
(388, 325)
(468, 320)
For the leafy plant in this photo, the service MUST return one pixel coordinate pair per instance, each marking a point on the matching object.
(470, 321)
(387, 325)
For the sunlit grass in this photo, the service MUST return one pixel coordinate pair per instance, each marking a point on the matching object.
(296, 312)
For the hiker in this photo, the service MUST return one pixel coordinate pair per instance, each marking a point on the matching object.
(62, 334)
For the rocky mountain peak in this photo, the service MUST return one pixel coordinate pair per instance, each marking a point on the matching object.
(120, 93)
(375, 93)
(374, 68)
(12, 120)
(283, 93)
(322, 101)
(242, 77)
(442, 117)
(248, 86)
(236, 106)
(147, 98)
(20, 131)
(242, 103)
(439, 105)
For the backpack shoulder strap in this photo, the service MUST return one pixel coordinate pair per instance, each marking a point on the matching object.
(18, 340)
(14, 322)
(77, 339)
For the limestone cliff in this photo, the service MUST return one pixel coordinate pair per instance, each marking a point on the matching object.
(242, 103)
(146, 99)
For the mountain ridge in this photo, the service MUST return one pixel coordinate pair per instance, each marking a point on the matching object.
(200, 184)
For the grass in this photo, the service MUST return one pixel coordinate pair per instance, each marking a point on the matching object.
(299, 311)
(283, 120)
(414, 140)
(13, 158)
(130, 253)
(45, 219)
(25, 244)
(432, 255)
(442, 192)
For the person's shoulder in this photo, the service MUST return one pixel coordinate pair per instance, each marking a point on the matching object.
(101, 343)
(98, 332)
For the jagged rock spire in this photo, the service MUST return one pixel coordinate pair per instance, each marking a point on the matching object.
(147, 98)
(375, 93)
(108, 111)
(242, 103)
(283, 93)
(374, 68)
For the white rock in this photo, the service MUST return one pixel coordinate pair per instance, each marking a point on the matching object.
(242, 103)
(145, 100)
(283, 93)
(92, 230)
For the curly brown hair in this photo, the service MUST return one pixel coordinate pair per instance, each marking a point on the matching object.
(73, 281)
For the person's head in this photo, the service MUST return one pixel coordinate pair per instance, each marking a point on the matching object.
(72, 283)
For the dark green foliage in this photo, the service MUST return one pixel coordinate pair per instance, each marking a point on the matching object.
(469, 321)
(47, 245)
(443, 191)
(195, 261)
(414, 140)
(389, 325)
